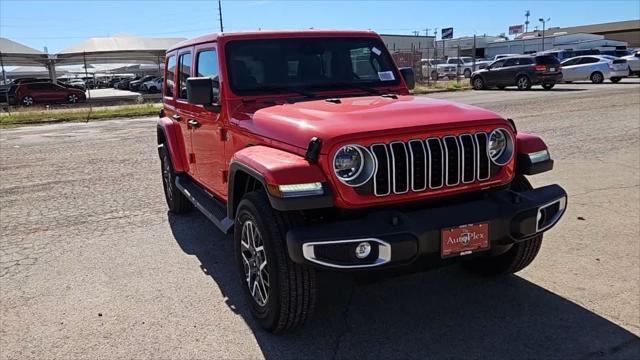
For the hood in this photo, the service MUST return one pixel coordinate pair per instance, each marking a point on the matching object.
(359, 117)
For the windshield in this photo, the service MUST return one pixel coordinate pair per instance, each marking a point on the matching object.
(316, 63)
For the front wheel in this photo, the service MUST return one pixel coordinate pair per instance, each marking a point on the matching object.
(515, 259)
(72, 99)
(615, 80)
(467, 73)
(478, 83)
(280, 292)
(548, 86)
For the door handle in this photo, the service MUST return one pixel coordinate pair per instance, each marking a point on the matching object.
(177, 117)
(193, 123)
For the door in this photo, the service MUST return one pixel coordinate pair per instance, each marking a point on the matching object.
(508, 72)
(184, 110)
(569, 69)
(492, 75)
(585, 67)
(209, 132)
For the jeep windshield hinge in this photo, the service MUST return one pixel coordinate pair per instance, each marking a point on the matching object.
(313, 150)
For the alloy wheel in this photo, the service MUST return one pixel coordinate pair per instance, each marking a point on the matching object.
(254, 262)
(478, 83)
(27, 101)
(73, 98)
(166, 176)
(523, 83)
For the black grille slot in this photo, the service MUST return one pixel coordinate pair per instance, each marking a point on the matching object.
(382, 177)
(400, 163)
(437, 163)
(418, 165)
(483, 158)
(452, 152)
(468, 148)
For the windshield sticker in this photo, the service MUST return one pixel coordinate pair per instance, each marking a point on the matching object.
(376, 51)
(386, 75)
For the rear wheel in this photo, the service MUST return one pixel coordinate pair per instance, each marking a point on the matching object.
(467, 73)
(515, 259)
(280, 292)
(523, 83)
(478, 83)
(27, 100)
(548, 86)
(176, 201)
(615, 79)
(597, 77)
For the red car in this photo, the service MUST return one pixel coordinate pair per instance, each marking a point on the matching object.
(308, 146)
(45, 93)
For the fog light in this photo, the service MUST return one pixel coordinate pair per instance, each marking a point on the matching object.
(363, 250)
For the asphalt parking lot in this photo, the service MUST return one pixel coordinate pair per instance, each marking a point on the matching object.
(93, 266)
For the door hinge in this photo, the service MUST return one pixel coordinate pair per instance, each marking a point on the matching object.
(192, 158)
(225, 176)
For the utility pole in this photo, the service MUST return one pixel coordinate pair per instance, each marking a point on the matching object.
(544, 24)
(220, 15)
(435, 43)
(526, 22)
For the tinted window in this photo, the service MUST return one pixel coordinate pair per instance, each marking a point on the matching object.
(183, 73)
(322, 63)
(511, 62)
(547, 60)
(570, 62)
(589, 60)
(497, 64)
(526, 61)
(171, 69)
(207, 64)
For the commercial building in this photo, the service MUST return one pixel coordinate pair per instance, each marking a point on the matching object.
(626, 31)
(398, 43)
(534, 44)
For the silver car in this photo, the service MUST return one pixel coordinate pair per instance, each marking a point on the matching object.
(596, 68)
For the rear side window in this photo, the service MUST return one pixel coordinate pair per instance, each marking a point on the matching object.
(589, 60)
(547, 60)
(526, 61)
(571, 62)
(511, 62)
(171, 70)
(184, 72)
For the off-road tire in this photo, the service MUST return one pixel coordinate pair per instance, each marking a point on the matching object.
(292, 287)
(176, 201)
(515, 259)
(597, 77)
(615, 80)
(548, 86)
(523, 82)
(478, 83)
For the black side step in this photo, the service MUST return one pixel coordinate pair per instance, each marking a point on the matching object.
(211, 207)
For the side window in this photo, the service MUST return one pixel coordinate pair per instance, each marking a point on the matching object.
(207, 66)
(526, 61)
(498, 64)
(184, 71)
(171, 69)
(588, 60)
(511, 62)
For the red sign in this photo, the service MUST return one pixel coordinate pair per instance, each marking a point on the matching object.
(465, 239)
(516, 29)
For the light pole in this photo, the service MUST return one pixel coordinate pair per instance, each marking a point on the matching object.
(544, 24)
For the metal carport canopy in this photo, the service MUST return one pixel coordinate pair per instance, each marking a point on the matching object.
(121, 48)
(16, 54)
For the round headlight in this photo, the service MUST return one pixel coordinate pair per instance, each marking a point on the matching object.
(353, 165)
(500, 147)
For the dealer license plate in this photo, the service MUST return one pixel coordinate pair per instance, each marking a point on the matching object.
(464, 239)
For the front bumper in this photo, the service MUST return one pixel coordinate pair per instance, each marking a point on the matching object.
(398, 238)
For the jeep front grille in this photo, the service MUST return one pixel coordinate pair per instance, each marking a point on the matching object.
(421, 164)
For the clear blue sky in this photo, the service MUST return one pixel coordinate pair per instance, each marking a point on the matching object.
(60, 24)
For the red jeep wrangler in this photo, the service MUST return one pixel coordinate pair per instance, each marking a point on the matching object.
(309, 147)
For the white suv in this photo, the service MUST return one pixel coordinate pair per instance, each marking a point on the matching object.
(437, 69)
(466, 64)
(633, 61)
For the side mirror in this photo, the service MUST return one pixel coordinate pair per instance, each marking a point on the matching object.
(408, 76)
(204, 91)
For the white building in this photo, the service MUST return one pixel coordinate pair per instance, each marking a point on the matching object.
(556, 41)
